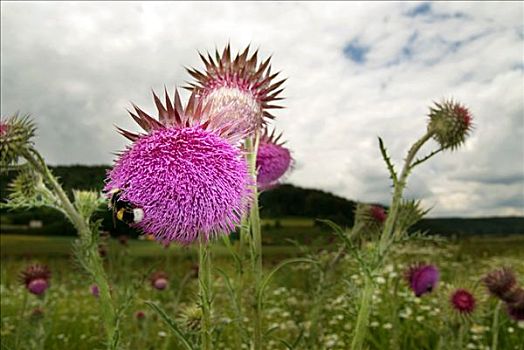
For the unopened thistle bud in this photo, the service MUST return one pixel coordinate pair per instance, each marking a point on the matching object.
(15, 136)
(191, 318)
(450, 123)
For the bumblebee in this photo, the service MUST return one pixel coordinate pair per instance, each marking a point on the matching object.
(122, 210)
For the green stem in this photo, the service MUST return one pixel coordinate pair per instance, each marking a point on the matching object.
(389, 225)
(21, 320)
(204, 282)
(363, 315)
(91, 257)
(495, 327)
(256, 241)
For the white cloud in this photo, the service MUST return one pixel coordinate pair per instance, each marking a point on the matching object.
(76, 66)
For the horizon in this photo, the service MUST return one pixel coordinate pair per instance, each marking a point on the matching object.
(353, 71)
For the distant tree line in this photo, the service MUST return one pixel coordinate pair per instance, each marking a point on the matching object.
(283, 201)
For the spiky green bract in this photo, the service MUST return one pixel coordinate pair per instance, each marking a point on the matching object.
(87, 202)
(15, 137)
(450, 122)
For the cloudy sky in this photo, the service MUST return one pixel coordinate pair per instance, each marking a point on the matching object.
(355, 71)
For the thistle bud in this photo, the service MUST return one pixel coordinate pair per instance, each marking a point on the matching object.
(501, 283)
(15, 137)
(36, 279)
(191, 318)
(463, 301)
(159, 280)
(450, 123)
(370, 215)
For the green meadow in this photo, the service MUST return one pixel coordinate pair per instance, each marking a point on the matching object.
(67, 316)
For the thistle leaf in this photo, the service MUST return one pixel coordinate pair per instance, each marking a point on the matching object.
(387, 159)
(171, 323)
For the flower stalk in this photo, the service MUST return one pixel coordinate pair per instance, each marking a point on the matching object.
(204, 283)
(255, 239)
(90, 257)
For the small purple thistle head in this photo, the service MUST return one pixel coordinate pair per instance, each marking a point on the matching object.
(36, 278)
(463, 301)
(273, 160)
(378, 213)
(159, 280)
(95, 291)
(422, 278)
(140, 315)
(186, 175)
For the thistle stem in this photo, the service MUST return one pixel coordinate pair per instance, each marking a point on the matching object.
(256, 241)
(91, 257)
(495, 327)
(363, 315)
(389, 226)
(204, 282)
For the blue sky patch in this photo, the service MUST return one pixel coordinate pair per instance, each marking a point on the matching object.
(419, 10)
(356, 51)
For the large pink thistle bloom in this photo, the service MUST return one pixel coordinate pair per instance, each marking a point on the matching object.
(242, 82)
(273, 160)
(186, 174)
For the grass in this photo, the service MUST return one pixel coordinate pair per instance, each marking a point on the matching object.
(398, 319)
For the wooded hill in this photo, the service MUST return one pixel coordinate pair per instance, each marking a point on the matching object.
(282, 202)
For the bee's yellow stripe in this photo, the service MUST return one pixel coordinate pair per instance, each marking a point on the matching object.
(120, 214)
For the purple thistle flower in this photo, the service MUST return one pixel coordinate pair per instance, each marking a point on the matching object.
(159, 280)
(422, 278)
(95, 291)
(463, 301)
(36, 278)
(378, 213)
(185, 175)
(273, 160)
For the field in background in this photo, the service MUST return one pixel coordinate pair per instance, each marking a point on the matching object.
(398, 321)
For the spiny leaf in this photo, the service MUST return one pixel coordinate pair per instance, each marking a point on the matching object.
(171, 323)
(387, 159)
